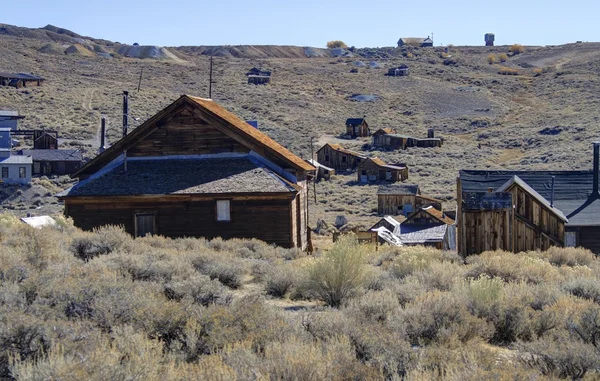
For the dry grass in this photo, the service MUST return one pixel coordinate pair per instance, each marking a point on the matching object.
(146, 309)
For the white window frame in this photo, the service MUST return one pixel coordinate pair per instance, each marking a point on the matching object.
(223, 210)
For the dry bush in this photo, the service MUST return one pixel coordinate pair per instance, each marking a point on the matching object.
(502, 57)
(339, 272)
(587, 288)
(229, 273)
(511, 267)
(492, 58)
(538, 71)
(336, 44)
(568, 256)
(516, 49)
(280, 281)
(101, 241)
(409, 260)
(505, 70)
(198, 288)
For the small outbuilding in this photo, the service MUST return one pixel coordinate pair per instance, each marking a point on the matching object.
(400, 71)
(404, 199)
(48, 162)
(429, 227)
(9, 119)
(258, 77)
(339, 158)
(14, 169)
(357, 127)
(19, 80)
(373, 170)
(387, 138)
(415, 42)
(323, 172)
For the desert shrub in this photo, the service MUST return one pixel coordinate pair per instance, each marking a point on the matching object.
(199, 288)
(336, 44)
(229, 272)
(568, 256)
(505, 70)
(511, 267)
(22, 338)
(587, 288)
(410, 260)
(339, 272)
(538, 71)
(492, 58)
(440, 275)
(502, 57)
(586, 326)
(280, 280)
(374, 306)
(101, 241)
(516, 48)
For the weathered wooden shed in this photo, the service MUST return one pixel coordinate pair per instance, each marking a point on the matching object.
(415, 42)
(195, 170)
(48, 162)
(45, 139)
(357, 127)
(339, 158)
(429, 227)
(19, 80)
(387, 138)
(258, 77)
(395, 199)
(400, 71)
(323, 172)
(373, 170)
(549, 208)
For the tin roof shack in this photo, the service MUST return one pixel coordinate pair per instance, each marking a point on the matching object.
(357, 127)
(339, 158)
(400, 71)
(196, 170)
(258, 77)
(48, 162)
(417, 42)
(395, 199)
(323, 172)
(429, 227)
(388, 222)
(19, 80)
(373, 170)
(9, 119)
(550, 208)
(14, 169)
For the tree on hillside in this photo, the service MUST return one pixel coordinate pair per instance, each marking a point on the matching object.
(336, 44)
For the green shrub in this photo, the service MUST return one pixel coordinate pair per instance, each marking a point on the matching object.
(587, 288)
(339, 272)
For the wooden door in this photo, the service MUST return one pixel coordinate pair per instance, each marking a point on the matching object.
(144, 224)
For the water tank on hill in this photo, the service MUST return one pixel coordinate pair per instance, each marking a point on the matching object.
(489, 39)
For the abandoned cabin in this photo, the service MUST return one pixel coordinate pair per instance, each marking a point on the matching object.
(418, 42)
(258, 77)
(9, 119)
(14, 169)
(399, 71)
(428, 226)
(395, 199)
(19, 80)
(49, 162)
(528, 210)
(373, 170)
(357, 127)
(339, 158)
(323, 172)
(196, 170)
(386, 138)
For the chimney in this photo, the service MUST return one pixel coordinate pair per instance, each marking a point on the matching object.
(595, 193)
(125, 111)
(102, 147)
(430, 133)
(552, 192)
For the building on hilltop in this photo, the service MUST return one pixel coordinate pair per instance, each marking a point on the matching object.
(19, 80)
(258, 77)
(357, 127)
(400, 71)
(528, 210)
(418, 42)
(195, 170)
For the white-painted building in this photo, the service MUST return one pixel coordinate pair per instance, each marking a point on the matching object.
(14, 169)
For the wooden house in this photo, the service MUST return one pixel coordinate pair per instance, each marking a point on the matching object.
(417, 42)
(20, 80)
(542, 209)
(48, 162)
(14, 169)
(428, 227)
(258, 77)
(323, 172)
(339, 158)
(386, 138)
(9, 119)
(400, 71)
(45, 139)
(395, 199)
(357, 127)
(195, 170)
(372, 170)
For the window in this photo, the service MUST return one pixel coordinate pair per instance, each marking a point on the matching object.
(570, 239)
(223, 211)
(5, 172)
(326, 158)
(22, 172)
(144, 224)
(343, 159)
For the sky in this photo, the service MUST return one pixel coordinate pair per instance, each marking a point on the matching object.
(360, 23)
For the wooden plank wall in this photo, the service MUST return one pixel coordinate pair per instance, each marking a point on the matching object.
(267, 220)
(589, 237)
(485, 230)
(387, 204)
(336, 159)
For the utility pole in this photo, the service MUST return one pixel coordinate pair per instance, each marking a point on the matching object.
(312, 157)
(210, 80)
(140, 82)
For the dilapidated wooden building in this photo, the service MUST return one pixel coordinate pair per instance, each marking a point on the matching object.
(374, 170)
(357, 127)
(387, 138)
(404, 199)
(528, 210)
(339, 158)
(195, 170)
(428, 227)
(20, 80)
(400, 71)
(48, 162)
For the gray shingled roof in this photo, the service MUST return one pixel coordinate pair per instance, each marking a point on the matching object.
(486, 200)
(354, 121)
(419, 234)
(16, 159)
(52, 154)
(183, 176)
(399, 189)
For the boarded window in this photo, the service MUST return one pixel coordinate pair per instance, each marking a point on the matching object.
(22, 172)
(570, 239)
(144, 224)
(4, 172)
(223, 210)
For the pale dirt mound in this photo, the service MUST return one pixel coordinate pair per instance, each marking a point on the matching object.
(256, 51)
(147, 52)
(79, 50)
(52, 49)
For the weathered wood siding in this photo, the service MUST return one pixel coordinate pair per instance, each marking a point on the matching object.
(389, 204)
(185, 134)
(485, 230)
(589, 237)
(358, 130)
(337, 160)
(267, 219)
(47, 168)
(375, 173)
